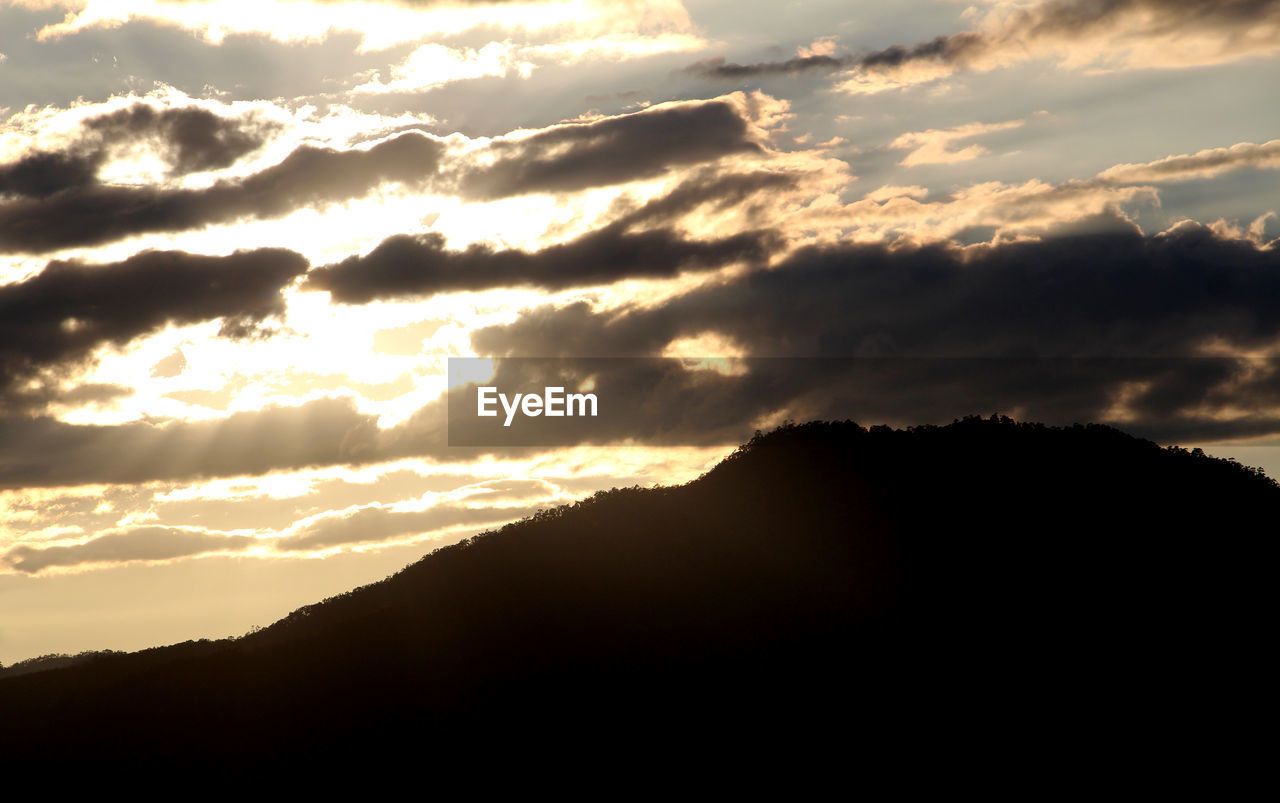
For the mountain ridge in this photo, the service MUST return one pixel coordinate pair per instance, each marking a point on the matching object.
(815, 564)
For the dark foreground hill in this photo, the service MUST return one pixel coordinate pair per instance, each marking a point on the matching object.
(984, 594)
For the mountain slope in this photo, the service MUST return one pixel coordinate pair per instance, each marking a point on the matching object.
(987, 571)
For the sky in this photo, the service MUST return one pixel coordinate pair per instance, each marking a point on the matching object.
(240, 241)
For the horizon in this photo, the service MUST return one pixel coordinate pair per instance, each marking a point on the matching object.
(794, 443)
(241, 243)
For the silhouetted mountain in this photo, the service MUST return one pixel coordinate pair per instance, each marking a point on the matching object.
(44, 663)
(982, 592)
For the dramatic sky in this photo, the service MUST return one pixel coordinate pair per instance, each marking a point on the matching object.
(240, 239)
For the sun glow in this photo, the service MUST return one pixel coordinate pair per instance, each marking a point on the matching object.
(382, 25)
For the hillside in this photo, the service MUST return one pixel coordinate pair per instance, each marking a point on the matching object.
(899, 583)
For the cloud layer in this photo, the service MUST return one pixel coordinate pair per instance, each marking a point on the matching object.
(1096, 34)
(555, 180)
(188, 139)
(70, 309)
(97, 213)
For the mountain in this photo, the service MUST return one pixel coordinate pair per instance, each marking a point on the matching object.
(983, 591)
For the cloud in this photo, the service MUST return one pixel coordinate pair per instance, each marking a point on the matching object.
(756, 193)
(42, 452)
(310, 176)
(718, 68)
(380, 523)
(365, 524)
(170, 366)
(942, 48)
(820, 55)
(60, 204)
(432, 65)
(1105, 293)
(422, 265)
(1031, 208)
(888, 192)
(1093, 34)
(188, 139)
(70, 308)
(1201, 164)
(35, 398)
(613, 150)
(40, 174)
(121, 546)
(1107, 325)
(381, 23)
(933, 146)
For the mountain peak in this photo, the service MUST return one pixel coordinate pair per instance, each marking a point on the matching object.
(816, 563)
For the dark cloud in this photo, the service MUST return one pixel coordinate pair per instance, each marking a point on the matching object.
(951, 48)
(718, 68)
(1073, 19)
(57, 213)
(1102, 326)
(69, 309)
(1057, 19)
(718, 192)
(138, 543)
(310, 176)
(1074, 16)
(42, 173)
(1105, 293)
(189, 139)
(421, 265)
(570, 157)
